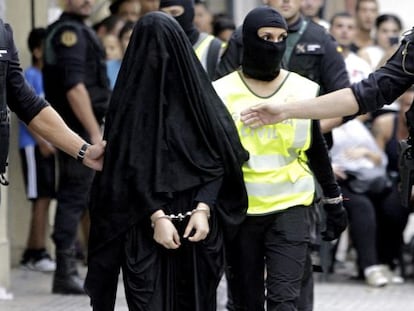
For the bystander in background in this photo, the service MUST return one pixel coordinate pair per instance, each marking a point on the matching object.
(38, 167)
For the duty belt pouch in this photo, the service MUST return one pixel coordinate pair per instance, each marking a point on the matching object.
(4, 139)
(4, 113)
(4, 126)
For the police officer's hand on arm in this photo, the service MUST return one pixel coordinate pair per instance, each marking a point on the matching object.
(336, 219)
(48, 124)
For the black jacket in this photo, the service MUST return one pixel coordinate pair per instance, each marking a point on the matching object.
(73, 54)
(21, 98)
(14, 93)
(386, 84)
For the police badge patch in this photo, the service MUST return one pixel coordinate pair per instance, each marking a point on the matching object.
(68, 38)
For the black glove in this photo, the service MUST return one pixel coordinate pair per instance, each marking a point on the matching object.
(336, 221)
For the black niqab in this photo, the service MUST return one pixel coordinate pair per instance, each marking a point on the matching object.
(262, 59)
(167, 131)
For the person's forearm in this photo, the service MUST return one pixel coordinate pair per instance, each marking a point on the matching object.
(51, 127)
(80, 103)
(335, 104)
(328, 125)
(39, 139)
(374, 157)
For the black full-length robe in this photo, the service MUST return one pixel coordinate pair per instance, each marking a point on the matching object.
(168, 137)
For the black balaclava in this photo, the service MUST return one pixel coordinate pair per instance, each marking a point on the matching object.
(262, 59)
(186, 19)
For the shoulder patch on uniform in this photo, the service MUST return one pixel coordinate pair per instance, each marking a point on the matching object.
(68, 38)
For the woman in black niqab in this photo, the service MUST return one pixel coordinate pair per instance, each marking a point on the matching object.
(171, 146)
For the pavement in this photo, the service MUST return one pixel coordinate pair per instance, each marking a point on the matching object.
(340, 292)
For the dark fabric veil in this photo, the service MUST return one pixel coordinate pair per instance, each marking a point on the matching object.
(166, 131)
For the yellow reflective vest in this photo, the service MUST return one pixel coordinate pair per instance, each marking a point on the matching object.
(202, 46)
(277, 175)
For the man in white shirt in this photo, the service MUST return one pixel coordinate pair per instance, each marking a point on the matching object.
(343, 29)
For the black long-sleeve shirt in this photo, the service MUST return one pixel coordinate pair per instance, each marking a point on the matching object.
(208, 193)
(387, 83)
(320, 163)
(21, 98)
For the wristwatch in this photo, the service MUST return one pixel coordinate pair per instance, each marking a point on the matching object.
(82, 151)
(336, 200)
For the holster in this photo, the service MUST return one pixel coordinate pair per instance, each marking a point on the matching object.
(406, 167)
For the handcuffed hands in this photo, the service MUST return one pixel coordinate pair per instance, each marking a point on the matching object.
(336, 221)
(165, 232)
(197, 229)
(198, 223)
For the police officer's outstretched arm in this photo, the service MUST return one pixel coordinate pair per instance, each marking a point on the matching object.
(315, 108)
(381, 88)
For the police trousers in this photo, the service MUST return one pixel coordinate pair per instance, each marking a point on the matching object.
(75, 181)
(269, 255)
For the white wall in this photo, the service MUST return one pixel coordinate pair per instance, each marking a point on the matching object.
(403, 8)
(242, 7)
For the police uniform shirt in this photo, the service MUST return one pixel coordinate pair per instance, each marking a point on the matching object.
(71, 49)
(68, 62)
(21, 98)
(65, 61)
(316, 56)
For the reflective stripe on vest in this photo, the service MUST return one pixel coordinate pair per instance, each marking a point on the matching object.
(201, 48)
(277, 175)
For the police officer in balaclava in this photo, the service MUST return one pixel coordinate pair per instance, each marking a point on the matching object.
(286, 160)
(207, 48)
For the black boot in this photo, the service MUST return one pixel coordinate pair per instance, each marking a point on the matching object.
(66, 279)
